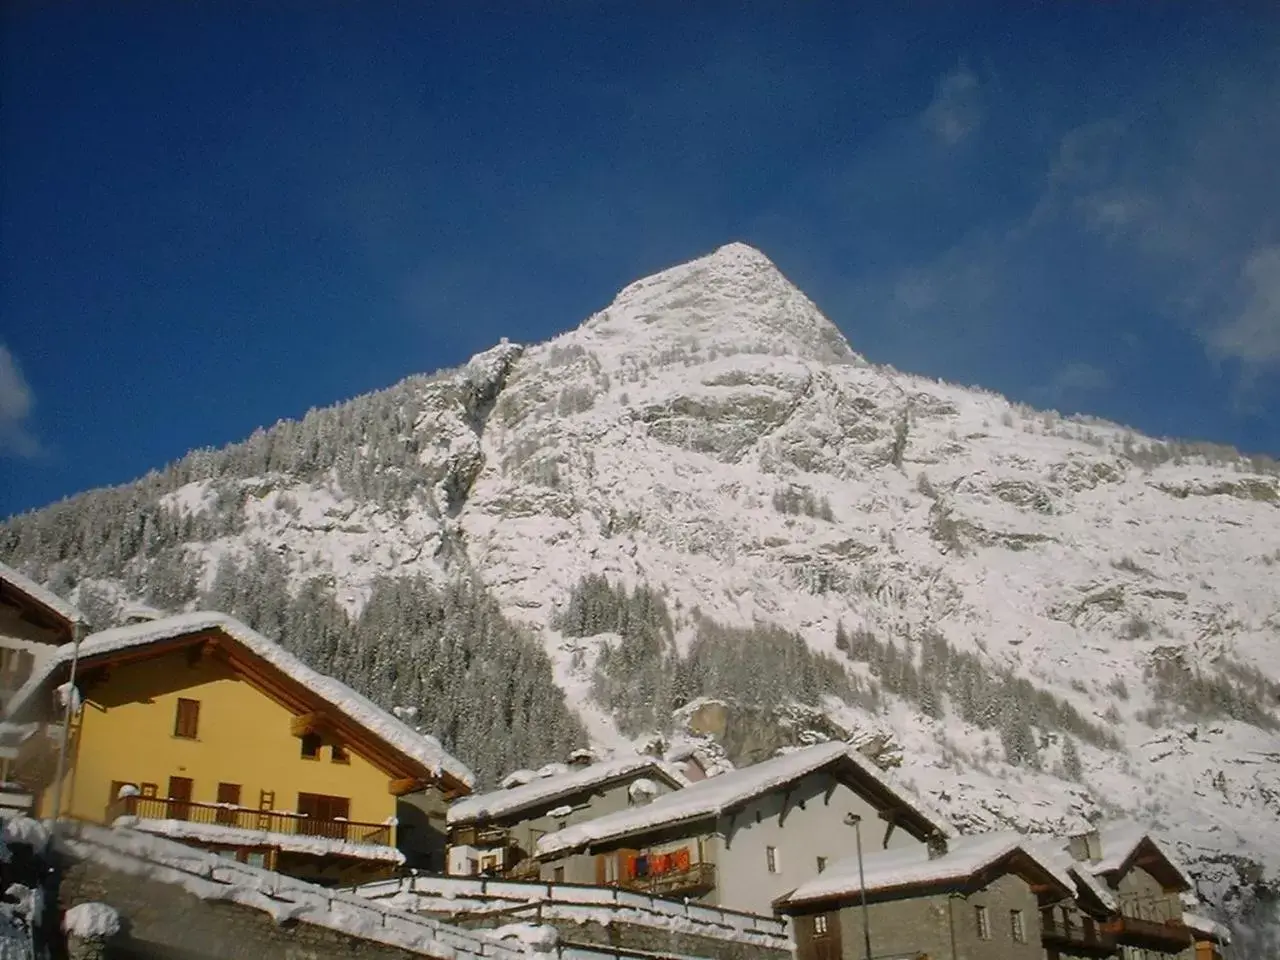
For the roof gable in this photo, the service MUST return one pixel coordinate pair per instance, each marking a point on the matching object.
(270, 668)
(909, 871)
(720, 794)
(43, 607)
(1126, 844)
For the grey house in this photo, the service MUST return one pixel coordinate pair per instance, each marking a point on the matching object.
(1146, 886)
(743, 838)
(974, 898)
(34, 622)
(494, 833)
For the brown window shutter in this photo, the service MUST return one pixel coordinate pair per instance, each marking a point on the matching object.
(186, 721)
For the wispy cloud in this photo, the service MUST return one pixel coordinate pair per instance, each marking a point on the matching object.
(956, 110)
(16, 402)
(1074, 382)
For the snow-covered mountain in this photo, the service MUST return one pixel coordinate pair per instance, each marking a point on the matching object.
(711, 435)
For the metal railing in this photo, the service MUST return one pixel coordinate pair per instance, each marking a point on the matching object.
(243, 818)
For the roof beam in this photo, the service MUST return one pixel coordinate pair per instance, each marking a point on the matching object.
(300, 726)
(405, 785)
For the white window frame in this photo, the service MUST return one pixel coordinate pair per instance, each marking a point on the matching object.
(982, 918)
(1018, 926)
(771, 859)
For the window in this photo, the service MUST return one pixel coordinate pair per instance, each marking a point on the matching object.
(984, 923)
(150, 790)
(1016, 925)
(311, 746)
(771, 858)
(186, 721)
(340, 754)
(822, 864)
(557, 875)
(820, 925)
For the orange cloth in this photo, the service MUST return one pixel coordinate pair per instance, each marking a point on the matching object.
(681, 858)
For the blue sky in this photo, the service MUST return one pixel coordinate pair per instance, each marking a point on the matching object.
(216, 215)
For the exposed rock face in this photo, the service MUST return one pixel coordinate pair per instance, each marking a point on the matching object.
(710, 433)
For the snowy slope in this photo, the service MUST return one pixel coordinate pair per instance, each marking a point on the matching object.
(650, 445)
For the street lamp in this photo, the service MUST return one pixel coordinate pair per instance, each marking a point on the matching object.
(77, 634)
(855, 821)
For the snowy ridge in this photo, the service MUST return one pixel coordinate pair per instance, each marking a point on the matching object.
(296, 843)
(912, 866)
(651, 445)
(716, 795)
(540, 790)
(422, 748)
(46, 598)
(210, 877)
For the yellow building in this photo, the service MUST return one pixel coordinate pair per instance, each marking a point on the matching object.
(199, 728)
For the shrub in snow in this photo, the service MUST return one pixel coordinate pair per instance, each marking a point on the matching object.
(128, 790)
(91, 921)
(27, 831)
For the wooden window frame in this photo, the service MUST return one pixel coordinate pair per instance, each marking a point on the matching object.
(1018, 926)
(820, 925)
(771, 859)
(186, 719)
(982, 921)
(306, 740)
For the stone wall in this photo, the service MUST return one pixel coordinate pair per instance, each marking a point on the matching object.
(164, 922)
(626, 936)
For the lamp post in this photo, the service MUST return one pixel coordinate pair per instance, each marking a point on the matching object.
(77, 634)
(856, 822)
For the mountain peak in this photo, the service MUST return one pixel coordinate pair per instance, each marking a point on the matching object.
(734, 297)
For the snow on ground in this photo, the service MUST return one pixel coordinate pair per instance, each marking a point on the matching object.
(91, 921)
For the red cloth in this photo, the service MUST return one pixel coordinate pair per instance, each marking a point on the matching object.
(682, 858)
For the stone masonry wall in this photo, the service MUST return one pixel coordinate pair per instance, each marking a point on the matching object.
(163, 922)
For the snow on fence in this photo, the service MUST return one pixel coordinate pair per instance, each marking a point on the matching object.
(578, 903)
(211, 877)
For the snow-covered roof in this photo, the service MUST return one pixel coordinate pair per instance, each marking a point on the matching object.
(1210, 929)
(419, 747)
(1120, 839)
(524, 795)
(240, 837)
(46, 598)
(1052, 850)
(716, 795)
(887, 870)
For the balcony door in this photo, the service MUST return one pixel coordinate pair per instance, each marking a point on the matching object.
(322, 813)
(179, 798)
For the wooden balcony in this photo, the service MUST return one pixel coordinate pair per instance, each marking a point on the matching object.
(243, 818)
(699, 878)
(1169, 936)
(1078, 939)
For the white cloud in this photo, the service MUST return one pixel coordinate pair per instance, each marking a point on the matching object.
(1075, 378)
(956, 110)
(15, 407)
(1252, 335)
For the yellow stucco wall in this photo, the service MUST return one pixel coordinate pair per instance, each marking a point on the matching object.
(243, 737)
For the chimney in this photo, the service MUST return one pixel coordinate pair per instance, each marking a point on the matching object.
(1085, 847)
(581, 758)
(937, 844)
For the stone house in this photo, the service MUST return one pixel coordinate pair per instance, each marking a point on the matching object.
(741, 839)
(972, 898)
(494, 834)
(1146, 885)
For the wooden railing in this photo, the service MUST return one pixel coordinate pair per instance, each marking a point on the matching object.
(243, 818)
(699, 878)
(1158, 934)
(1083, 937)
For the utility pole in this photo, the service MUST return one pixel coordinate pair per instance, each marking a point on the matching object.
(856, 821)
(77, 635)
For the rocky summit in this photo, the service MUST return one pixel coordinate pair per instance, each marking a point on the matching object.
(1042, 620)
